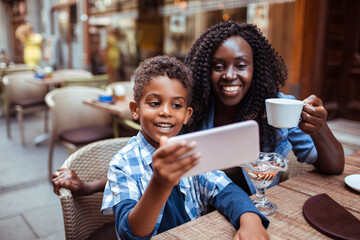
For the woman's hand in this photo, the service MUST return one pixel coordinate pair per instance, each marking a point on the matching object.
(251, 228)
(168, 168)
(313, 116)
(330, 152)
(67, 178)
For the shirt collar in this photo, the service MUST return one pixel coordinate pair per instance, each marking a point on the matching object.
(146, 149)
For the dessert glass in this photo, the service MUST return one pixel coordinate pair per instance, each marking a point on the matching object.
(262, 172)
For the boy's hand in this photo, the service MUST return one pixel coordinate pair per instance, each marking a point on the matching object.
(313, 116)
(168, 169)
(67, 178)
(251, 228)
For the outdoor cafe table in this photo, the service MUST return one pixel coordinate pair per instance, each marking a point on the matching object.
(49, 81)
(119, 110)
(289, 196)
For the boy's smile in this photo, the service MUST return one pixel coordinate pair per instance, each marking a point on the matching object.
(162, 110)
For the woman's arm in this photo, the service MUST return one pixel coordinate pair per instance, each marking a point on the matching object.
(331, 158)
(67, 178)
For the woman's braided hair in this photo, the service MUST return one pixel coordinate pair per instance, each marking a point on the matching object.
(270, 73)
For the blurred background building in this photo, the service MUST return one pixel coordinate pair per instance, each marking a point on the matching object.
(318, 39)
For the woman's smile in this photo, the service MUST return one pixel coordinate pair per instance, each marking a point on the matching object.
(231, 90)
(232, 70)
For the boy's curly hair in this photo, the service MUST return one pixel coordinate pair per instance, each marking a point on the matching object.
(162, 66)
(270, 73)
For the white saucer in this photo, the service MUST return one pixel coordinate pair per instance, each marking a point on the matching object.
(353, 181)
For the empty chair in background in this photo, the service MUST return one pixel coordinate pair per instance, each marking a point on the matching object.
(79, 77)
(72, 73)
(73, 123)
(12, 68)
(21, 97)
(98, 81)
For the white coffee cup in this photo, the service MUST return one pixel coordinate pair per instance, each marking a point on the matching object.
(282, 112)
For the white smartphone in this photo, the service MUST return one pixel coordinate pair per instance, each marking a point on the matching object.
(223, 147)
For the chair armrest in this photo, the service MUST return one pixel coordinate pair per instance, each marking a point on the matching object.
(65, 193)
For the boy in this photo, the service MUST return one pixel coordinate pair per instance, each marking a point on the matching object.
(144, 186)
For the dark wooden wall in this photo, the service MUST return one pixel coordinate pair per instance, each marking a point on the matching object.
(326, 57)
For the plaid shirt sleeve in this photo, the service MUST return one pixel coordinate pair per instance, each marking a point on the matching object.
(200, 189)
(122, 178)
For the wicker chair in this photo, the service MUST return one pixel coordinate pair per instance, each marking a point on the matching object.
(82, 213)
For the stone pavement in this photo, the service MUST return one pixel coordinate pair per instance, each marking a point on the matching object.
(28, 207)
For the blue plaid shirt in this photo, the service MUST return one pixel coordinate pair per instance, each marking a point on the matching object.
(130, 173)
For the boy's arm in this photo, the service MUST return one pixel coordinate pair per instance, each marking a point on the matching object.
(251, 227)
(142, 219)
(167, 172)
(234, 203)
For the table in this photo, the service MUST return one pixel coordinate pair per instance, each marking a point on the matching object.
(120, 111)
(49, 81)
(289, 196)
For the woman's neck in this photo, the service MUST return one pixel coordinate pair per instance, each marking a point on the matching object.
(225, 114)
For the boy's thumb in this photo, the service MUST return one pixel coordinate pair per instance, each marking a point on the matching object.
(163, 140)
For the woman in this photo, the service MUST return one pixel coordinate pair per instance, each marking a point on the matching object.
(235, 69)
(32, 44)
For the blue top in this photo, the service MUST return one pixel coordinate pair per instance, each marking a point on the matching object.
(174, 211)
(292, 138)
(130, 172)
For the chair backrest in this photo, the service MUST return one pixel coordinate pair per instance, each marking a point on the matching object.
(72, 74)
(68, 111)
(99, 81)
(17, 68)
(18, 88)
(82, 213)
(126, 84)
